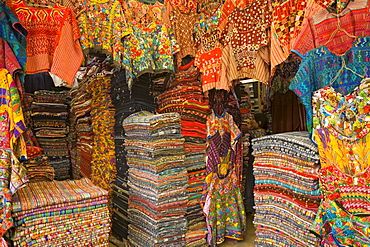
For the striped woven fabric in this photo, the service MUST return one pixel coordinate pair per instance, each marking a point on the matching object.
(286, 191)
(61, 213)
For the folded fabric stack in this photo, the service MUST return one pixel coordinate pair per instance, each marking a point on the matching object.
(61, 213)
(185, 97)
(286, 189)
(50, 125)
(157, 179)
(84, 136)
(125, 104)
(103, 166)
(39, 169)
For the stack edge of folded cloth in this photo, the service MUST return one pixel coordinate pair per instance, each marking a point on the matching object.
(50, 125)
(39, 169)
(286, 189)
(61, 213)
(185, 97)
(157, 180)
(126, 101)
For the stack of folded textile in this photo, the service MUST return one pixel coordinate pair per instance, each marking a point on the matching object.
(157, 179)
(49, 117)
(286, 189)
(84, 136)
(39, 169)
(185, 97)
(103, 166)
(125, 104)
(61, 213)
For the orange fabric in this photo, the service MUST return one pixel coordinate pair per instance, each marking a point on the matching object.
(52, 40)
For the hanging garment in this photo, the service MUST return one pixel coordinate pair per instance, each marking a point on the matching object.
(183, 24)
(337, 227)
(101, 24)
(341, 129)
(12, 121)
(209, 56)
(320, 67)
(14, 33)
(321, 28)
(224, 206)
(148, 48)
(287, 17)
(53, 40)
(246, 32)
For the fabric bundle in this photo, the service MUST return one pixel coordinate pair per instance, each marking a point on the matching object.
(286, 189)
(82, 133)
(50, 125)
(103, 165)
(185, 97)
(61, 213)
(126, 100)
(39, 169)
(157, 179)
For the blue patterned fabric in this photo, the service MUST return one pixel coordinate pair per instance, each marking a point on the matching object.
(14, 33)
(320, 66)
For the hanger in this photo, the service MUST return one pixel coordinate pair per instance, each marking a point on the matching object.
(344, 66)
(339, 28)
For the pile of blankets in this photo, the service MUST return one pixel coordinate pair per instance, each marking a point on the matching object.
(81, 133)
(39, 169)
(184, 96)
(157, 179)
(61, 213)
(50, 125)
(126, 101)
(286, 189)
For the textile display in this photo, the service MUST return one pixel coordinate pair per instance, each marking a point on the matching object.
(286, 189)
(222, 200)
(157, 179)
(103, 165)
(68, 213)
(50, 125)
(315, 72)
(126, 100)
(340, 129)
(14, 33)
(59, 52)
(39, 169)
(11, 115)
(81, 132)
(318, 30)
(184, 96)
(13, 177)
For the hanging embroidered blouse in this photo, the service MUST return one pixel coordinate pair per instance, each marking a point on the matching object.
(246, 32)
(183, 24)
(101, 24)
(338, 227)
(321, 28)
(148, 48)
(341, 126)
(52, 42)
(320, 66)
(208, 58)
(14, 33)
